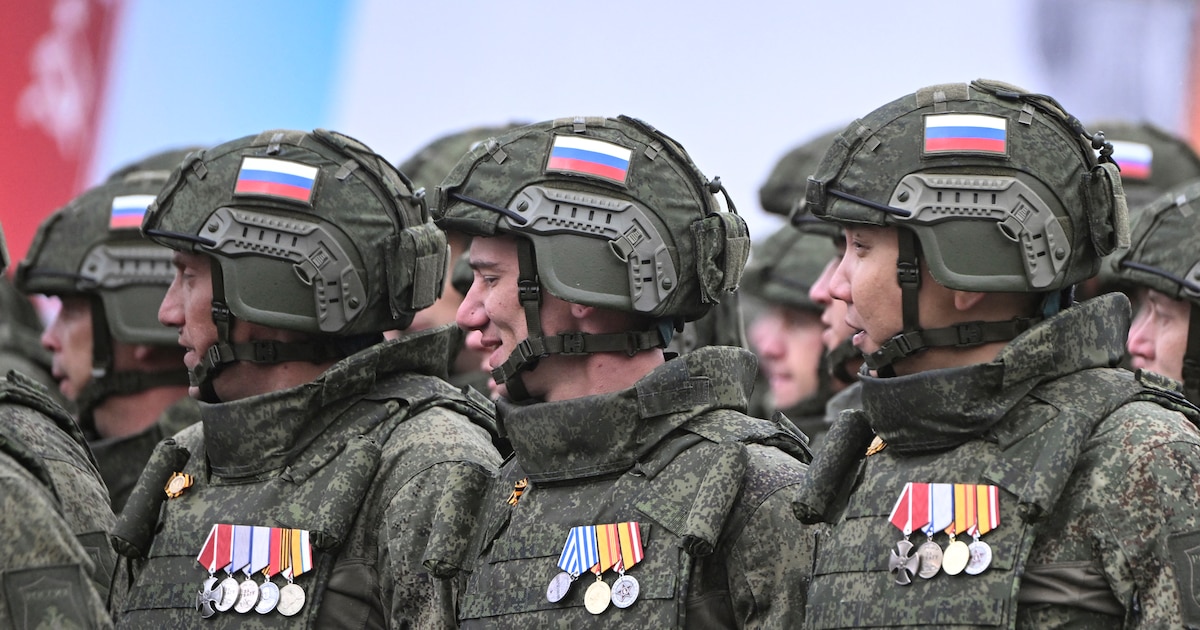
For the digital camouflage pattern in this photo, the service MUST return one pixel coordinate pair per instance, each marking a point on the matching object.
(1035, 218)
(20, 338)
(41, 442)
(1097, 477)
(710, 487)
(122, 459)
(381, 460)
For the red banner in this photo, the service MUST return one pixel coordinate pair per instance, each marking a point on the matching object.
(54, 57)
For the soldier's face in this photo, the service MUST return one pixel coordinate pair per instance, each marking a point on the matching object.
(492, 307)
(69, 339)
(833, 315)
(865, 280)
(1158, 336)
(187, 307)
(788, 343)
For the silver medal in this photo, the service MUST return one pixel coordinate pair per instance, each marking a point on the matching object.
(625, 591)
(205, 598)
(558, 587)
(248, 596)
(931, 559)
(981, 557)
(291, 599)
(268, 598)
(227, 594)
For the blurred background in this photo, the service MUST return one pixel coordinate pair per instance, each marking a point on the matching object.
(89, 85)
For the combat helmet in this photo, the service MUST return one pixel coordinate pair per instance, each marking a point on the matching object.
(999, 189)
(92, 248)
(308, 232)
(611, 213)
(1164, 255)
(784, 267)
(784, 188)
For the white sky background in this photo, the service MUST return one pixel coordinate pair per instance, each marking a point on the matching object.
(738, 84)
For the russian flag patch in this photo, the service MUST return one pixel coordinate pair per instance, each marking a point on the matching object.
(966, 133)
(128, 211)
(1134, 158)
(588, 156)
(270, 177)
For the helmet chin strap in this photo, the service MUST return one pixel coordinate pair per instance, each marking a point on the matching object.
(913, 339)
(106, 381)
(225, 352)
(537, 345)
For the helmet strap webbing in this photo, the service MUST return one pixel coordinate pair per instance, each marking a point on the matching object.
(536, 345)
(225, 352)
(913, 340)
(842, 354)
(1191, 358)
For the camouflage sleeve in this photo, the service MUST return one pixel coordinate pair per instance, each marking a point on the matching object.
(771, 562)
(1151, 544)
(43, 567)
(429, 521)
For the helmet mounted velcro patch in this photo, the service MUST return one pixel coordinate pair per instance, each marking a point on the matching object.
(966, 133)
(279, 179)
(1134, 158)
(128, 211)
(590, 157)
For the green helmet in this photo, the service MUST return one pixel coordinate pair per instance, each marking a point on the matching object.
(613, 213)
(784, 267)
(92, 248)
(310, 232)
(1165, 256)
(1001, 189)
(429, 166)
(784, 188)
(1152, 160)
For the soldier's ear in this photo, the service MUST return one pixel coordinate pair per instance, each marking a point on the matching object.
(967, 300)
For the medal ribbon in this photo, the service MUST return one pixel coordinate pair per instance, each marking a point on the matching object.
(580, 551)
(941, 507)
(285, 553)
(988, 507)
(920, 506)
(630, 535)
(275, 556)
(608, 544)
(241, 548)
(260, 550)
(223, 556)
(901, 515)
(208, 553)
(301, 552)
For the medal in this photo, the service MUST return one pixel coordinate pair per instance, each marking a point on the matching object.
(941, 515)
(608, 546)
(177, 484)
(227, 591)
(295, 545)
(625, 589)
(227, 594)
(597, 597)
(268, 598)
(268, 593)
(578, 554)
(988, 517)
(957, 555)
(204, 598)
(911, 506)
(291, 599)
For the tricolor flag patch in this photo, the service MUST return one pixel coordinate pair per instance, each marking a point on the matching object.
(1134, 158)
(966, 133)
(588, 156)
(276, 178)
(128, 211)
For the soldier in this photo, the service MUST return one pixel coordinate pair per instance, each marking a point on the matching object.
(55, 563)
(1163, 264)
(786, 333)
(334, 477)
(20, 331)
(1019, 480)
(121, 368)
(427, 168)
(595, 238)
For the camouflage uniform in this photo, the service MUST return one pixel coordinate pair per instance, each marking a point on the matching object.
(675, 452)
(737, 561)
(376, 458)
(1094, 469)
(82, 251)
(20, 330)
(45, 568)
